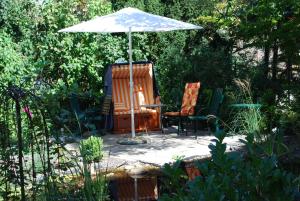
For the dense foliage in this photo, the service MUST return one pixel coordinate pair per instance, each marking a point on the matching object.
(256, 40)
(235, 176)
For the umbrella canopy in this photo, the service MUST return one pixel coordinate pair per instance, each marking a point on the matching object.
(130, 20)
(122, 20)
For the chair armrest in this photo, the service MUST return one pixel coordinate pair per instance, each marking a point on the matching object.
(157, 100)
(200, 111)
(166, 106)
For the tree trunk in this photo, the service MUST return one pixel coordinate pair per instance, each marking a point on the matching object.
(275, 61)
(289, 76)
(289, 70)
(266, 61)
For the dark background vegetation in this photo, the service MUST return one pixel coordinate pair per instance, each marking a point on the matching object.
(255, 40)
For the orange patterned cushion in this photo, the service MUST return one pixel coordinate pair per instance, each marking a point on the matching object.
(189, 99)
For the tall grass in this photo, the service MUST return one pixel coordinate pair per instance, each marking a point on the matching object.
(250, 121)
(247, 120)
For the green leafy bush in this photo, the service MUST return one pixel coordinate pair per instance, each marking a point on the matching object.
(238, 177)
(12, 61)
(91, 149)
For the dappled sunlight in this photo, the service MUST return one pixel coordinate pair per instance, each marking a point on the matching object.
(164, 148)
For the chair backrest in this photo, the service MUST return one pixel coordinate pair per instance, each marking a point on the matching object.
(189, 99)
(204, 100)
(143, 86)
(216, 101)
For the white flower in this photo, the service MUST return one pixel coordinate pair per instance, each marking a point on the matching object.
(274, 130)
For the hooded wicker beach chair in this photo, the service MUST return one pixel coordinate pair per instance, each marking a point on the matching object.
(145, 93)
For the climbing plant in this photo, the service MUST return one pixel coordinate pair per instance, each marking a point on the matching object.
(25, 143)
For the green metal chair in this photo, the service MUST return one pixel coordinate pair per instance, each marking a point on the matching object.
(213, 111)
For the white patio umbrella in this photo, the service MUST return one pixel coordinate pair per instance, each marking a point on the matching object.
(130, 20)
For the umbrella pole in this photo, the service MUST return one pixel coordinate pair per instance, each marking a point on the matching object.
(131, 84)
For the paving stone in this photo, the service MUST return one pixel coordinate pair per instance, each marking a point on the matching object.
(159, 149)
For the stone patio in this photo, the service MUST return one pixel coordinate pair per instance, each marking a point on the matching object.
(159, 149)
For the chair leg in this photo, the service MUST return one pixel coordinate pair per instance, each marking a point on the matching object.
(217, 125)
(208, 127)
(186, 132)
(161, 123)
(180, 125)
(186, 126)
(105, 122)
(195, 124)
(146, 124)
(164, 122)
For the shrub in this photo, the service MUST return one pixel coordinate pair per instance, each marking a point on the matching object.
(91, 149)
(238, 177)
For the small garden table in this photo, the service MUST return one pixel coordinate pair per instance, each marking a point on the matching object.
(246, 105)
(151, 106)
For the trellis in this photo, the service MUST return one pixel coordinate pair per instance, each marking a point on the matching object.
(25, 144)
